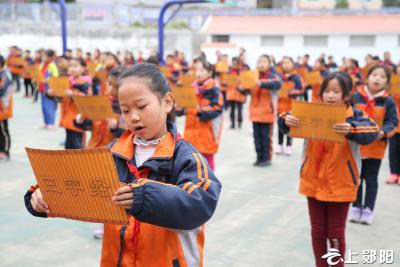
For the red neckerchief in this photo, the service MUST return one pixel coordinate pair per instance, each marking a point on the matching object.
(235, 70)
(369, 103)
(136, 228)
(353, 71)
(44, 71)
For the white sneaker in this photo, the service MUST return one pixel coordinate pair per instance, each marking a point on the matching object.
(279, 150)
(288, 151)
(99, 233)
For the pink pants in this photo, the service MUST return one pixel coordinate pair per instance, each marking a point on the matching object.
(328, 223)
(210, 160)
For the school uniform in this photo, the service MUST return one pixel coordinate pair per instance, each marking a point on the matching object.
(203, 126)
(16, 71)
(329, 178)
(383, 110)
(74, 135)
(262, 114)
(28, 78)
(235, 99)
(6, 111)
(49, 103)
(292, 80)
(175, 194)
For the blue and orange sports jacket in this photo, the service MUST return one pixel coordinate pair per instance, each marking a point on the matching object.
(203, 126)
(81, 86)
(175, 193)
(293, 81)
(330, 171)
(261, 106)
(383, 110)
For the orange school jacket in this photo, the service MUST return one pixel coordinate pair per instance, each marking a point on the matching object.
(291, 80)
(261, 106)
(69, 111)
(171, 205)
(330, 171)
(232, 93)
(203, 127)
(384, 111)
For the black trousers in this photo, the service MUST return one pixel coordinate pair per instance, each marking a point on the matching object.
(262, 133)
(5, 140)
(394, 154)
(233, 106)
(74, 140)
(225, 100)
(369, 176)
(28, 84)
(281, 137)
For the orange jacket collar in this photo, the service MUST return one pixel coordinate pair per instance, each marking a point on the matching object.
(124, 146)
(363, 91)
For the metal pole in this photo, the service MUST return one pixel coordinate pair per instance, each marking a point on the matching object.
(161, 24)
(63, 17)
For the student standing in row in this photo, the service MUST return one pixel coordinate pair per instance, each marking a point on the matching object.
(329, 174)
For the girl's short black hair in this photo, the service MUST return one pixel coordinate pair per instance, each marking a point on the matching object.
(345, 83)
(207, 65)
(153, 78)
(387, 71)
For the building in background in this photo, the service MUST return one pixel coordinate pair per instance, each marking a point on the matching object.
(349, 36)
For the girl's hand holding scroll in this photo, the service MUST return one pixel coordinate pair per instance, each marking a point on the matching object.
(38, 203)
(123, 197)
(292, 121)
(342, 128)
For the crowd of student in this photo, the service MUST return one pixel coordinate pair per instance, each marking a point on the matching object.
(144, 136)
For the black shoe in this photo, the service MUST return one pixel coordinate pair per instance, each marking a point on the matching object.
(232, 126)
(240, 126)
(256, 163)
(264, 163)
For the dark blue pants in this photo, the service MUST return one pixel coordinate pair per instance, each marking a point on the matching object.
(262, 140)
(369, 176)
(394, 154)
(74, 140)
(233, 105)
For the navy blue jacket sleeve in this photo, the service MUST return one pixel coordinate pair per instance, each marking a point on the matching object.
(272, 85)
(298, 87)
(390, 122)
(363, 131)
(27, 200)
(214, 108)
(185, 205)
